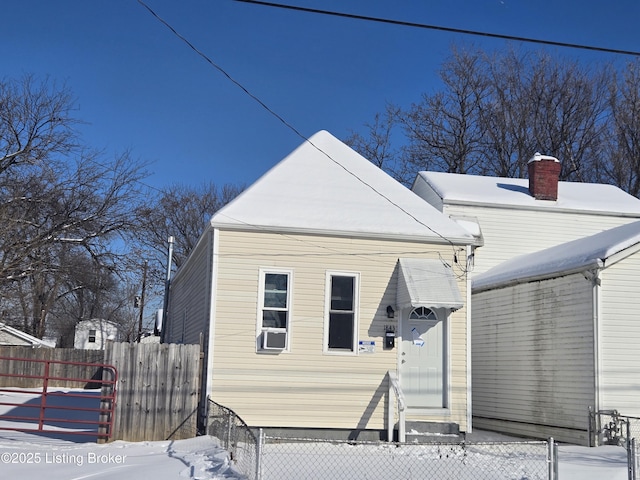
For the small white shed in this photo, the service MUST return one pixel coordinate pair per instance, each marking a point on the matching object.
(556, 332)
(93, 334)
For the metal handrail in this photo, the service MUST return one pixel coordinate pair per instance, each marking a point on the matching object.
(396, 390)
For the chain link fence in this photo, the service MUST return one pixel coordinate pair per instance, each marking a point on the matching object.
(235, 437)
(264, 457)
(610, 427)
(310, 459)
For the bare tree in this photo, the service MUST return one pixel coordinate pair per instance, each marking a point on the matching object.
(377, 146)
(623, 137)
(182, 212)
(54, 193)
(495, 111)
(443, 130)
(35, 122)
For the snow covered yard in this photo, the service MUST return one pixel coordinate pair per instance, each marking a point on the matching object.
(24, 455)
(490, 461)
(61, 456)
(45, 455)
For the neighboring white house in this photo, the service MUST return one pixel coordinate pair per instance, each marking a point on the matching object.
(316, 282)
(10, 336)
(554, 295)
(93, 334)
(557, 332)
(514, 220)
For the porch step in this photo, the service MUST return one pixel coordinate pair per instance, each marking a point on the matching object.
(432, 432)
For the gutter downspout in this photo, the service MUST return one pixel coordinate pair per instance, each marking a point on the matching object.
(209, 352)
(597, 361)
(468, 311)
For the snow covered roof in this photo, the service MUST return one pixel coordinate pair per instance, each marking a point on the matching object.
(595, 251)
(30, 339)
(456, 188)
(427, 283)
(326, 187)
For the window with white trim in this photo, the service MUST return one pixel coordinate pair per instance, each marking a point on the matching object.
(274, 310)
(341, 313)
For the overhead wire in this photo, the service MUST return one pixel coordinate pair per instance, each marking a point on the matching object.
(441, 28)
(286, 123)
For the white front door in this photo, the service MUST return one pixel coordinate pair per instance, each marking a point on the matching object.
(422, 359)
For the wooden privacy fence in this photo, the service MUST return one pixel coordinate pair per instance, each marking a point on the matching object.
(26, 369)
(158, 390)
(158, 385)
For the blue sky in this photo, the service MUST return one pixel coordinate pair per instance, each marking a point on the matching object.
(139, 87)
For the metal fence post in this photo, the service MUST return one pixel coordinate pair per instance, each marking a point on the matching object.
(552, 459)
(590, 427)
(631, 459)
(555, 461)
(259, 446)
(229, 427)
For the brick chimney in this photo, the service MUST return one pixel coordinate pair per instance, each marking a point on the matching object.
(544, 172)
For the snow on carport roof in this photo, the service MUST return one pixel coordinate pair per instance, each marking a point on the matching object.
(499, 191)
(326, 187)
(578, 255)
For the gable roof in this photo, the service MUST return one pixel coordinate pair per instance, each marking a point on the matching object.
(326, 187)
(454, 188)
(25, 337)
(594, 251)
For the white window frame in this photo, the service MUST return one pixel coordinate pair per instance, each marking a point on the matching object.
(260, 329)
(327, 310)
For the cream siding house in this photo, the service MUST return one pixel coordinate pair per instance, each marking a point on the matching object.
(313, 284)
(557, 333)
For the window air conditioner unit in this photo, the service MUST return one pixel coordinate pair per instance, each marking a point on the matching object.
(274, 339)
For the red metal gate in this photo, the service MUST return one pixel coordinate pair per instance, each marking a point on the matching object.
(57, 407)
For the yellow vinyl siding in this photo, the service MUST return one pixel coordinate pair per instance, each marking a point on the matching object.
(190, 298)
(305, 387)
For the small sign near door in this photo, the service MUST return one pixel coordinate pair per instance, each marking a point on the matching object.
(366, 346)
(417, 339)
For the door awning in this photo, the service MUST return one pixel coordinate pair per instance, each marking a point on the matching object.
(427, 283)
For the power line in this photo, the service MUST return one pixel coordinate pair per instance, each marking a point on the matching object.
(441, 28)
(287, 124)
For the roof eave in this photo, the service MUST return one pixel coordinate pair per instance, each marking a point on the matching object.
(509, 206)
(444, 240)
(594, 263)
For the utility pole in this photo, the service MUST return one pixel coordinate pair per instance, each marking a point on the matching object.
(165, 302)
(144, 286)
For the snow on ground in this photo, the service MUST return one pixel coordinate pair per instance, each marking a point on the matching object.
(24, 455)
(63, 457)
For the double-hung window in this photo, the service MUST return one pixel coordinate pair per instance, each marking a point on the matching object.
(341, 313)
(274, 310)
